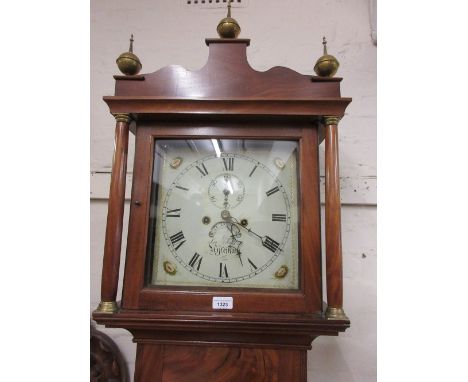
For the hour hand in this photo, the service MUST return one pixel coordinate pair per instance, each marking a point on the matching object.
(235, 241)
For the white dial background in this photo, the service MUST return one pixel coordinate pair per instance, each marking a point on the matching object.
(227, 219)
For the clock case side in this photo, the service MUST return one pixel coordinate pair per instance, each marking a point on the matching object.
(307, 299)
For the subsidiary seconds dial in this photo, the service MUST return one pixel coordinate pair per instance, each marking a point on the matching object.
(226, 218)
(226, 191)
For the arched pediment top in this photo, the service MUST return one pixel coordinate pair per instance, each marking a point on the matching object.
(227, 74)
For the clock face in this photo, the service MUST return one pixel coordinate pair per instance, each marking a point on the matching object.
(224, 213)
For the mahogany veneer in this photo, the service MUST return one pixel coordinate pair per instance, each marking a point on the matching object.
(266, 336)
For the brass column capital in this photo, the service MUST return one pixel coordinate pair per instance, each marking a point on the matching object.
(122, 117)
(331, 119)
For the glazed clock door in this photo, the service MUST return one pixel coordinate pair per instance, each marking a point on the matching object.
(225, 213)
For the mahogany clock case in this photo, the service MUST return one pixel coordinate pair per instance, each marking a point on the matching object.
(138, 294)
(226, 99)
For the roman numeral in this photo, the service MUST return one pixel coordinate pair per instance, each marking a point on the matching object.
(269, 243)
(176, 238)
(223, 271)
(196, 259)
(202, 170)
(173, 213)
(182, 188)
(228, 164)
(253, 170)
(252, 265)
(278, 217)
(272, 191)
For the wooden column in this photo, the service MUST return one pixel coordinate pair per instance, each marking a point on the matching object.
(115, 213)
(334, 260)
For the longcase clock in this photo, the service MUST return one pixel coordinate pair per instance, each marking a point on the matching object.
(223, 271)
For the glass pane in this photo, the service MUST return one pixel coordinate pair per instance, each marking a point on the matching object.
(224, 213)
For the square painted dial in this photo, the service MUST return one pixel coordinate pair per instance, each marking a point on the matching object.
(224, 213)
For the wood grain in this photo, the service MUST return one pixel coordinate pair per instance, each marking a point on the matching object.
(273, 330)
(191, 363)
(115, 213)
(149, 363)
(152, 106)
(227, 75)
(307, 299)
(226, 85)
(334, 262)
(266, 336)
(177, 363)
(138, 223)
(309, 228)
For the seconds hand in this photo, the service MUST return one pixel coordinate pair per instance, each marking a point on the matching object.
(226, 195)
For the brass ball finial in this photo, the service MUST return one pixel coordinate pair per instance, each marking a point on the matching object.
(327, 65)
(228, 27)
(128, 62)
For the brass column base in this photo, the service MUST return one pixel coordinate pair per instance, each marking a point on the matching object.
(107, 307)
(336, 314)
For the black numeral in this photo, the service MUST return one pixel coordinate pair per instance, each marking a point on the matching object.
(253, 170)
(252, 265)
(269, 243)
(196, 259)
(278, 217)
(228, 164)
(182, 188)
(173, 213)
(223, 270)
(202, 170)
(178, 238)
(272, 191)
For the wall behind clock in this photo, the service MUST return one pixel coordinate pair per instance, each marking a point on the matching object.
(283, 34)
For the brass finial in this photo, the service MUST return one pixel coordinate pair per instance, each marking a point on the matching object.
(130, 49)
(228, 27)
(324, 42)
(327, 65)
(128, 63)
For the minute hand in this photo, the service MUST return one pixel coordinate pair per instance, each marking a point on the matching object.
(267, 241)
